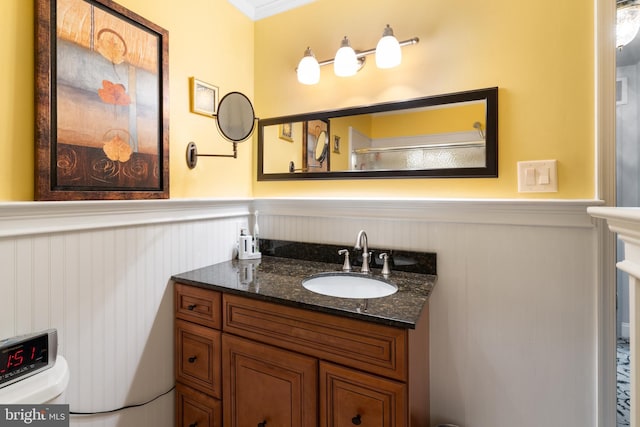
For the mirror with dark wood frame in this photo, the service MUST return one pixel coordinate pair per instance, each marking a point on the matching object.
(445, 136)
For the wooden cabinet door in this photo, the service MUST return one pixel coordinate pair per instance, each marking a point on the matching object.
(264, 386)
(195, 409)
(352, 398)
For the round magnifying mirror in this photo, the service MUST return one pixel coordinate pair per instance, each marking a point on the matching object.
(236, 118)
(322, 146)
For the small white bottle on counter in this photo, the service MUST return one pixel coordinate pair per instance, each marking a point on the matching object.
(256, 234)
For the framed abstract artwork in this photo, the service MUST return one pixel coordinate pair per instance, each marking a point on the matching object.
(102, 107)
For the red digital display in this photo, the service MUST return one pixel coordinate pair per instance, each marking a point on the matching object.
(23, 358)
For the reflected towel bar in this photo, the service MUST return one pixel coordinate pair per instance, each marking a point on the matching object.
(469, 144)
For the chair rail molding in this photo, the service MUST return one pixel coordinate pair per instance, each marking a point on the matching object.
(538, 212)
(31, 218)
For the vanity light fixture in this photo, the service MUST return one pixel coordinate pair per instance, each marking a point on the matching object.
(308, 69)
(388, 52)
(628, 22)
(348, 61)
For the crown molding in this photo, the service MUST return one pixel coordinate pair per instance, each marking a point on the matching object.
(259, 9)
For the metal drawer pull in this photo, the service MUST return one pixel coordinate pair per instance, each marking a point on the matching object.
(191, 307)
(262, 424)
(356, 420)
(192, 359)
(193, 424)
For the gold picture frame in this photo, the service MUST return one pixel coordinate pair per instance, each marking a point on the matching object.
(285, 131)
(203, 97)
(336, 144)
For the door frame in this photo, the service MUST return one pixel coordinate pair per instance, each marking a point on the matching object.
(605, 173)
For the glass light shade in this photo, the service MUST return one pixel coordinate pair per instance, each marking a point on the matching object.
(308, 69)
(388, 52)
(345, 63)
(627, 25)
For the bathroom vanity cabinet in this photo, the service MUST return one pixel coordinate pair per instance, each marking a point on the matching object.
(197, 335)
(246, 361)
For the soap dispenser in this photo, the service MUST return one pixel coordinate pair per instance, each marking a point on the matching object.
(247, 246)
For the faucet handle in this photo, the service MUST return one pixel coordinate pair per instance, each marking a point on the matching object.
(386, 271)
(347, 265)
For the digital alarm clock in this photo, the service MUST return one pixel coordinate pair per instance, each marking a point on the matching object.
(26, 355)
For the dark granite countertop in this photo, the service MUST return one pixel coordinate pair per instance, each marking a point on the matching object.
(279, 280)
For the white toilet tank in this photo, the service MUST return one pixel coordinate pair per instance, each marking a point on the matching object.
(44, 387)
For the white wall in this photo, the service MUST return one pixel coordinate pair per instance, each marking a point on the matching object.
(513, 316)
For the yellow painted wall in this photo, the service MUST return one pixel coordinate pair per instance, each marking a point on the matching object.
(545, 77)
(340, 127)
(209, 39)
(443, 120)
(539, 54)
(282, 151)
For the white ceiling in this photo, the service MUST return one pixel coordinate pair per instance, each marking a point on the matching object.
(258, 9)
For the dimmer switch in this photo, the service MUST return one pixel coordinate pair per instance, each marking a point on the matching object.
(537, 176)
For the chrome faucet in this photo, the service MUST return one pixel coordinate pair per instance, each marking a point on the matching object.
(362, 243)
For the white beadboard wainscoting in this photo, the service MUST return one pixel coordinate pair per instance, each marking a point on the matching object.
(99, 273)
(514, 316)
(513, 335)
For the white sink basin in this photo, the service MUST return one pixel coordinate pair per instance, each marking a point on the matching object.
(348, 285)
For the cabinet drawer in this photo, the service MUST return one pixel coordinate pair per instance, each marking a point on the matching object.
(371, 347)
(196, 409)
(197, 305)
(198, 357)
(349, 397)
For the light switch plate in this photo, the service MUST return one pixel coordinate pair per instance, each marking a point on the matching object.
(538, 176)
